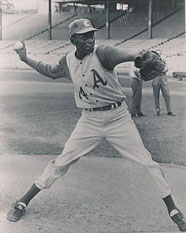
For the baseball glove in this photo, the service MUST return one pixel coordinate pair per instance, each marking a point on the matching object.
(150, 65)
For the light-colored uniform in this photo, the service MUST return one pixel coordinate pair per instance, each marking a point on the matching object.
(97, 87)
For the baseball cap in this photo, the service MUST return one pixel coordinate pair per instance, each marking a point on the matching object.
(80, 26)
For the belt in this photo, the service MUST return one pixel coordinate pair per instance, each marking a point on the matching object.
(105, 108)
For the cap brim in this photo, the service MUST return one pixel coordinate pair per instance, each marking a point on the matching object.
(85, 30)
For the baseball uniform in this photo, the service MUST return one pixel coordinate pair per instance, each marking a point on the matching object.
(97, 88)
(104, 114)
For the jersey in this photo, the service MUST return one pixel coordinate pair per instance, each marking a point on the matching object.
(94, 85)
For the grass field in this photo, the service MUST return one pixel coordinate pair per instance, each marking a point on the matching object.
(38, 117)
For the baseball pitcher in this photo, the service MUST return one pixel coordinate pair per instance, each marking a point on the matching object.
(104, 114)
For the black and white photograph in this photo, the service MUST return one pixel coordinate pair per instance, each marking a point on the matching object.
(92, 116)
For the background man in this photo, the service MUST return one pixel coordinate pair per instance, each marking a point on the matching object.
(137, 84)
(161, 83)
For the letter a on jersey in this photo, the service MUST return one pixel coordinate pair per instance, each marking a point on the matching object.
(97, 79)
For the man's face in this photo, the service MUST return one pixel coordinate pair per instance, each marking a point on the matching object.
(84, 43)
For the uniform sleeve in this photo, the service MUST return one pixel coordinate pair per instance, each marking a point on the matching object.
(111, 56)
(51, 71)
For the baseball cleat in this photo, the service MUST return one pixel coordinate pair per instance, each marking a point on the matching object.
(16, 212)
(180, 220)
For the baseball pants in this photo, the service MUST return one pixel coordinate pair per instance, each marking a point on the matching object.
(166, 95)
(119, 129)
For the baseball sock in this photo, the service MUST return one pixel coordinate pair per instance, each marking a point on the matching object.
(30, 194)
(169, 203)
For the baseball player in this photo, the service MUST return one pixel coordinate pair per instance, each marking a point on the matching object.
(137, 84)
(104, 114)
(161, 83)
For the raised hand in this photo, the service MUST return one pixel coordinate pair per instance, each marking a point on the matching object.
(20, 49)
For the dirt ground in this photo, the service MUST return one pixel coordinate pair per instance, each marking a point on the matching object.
(97, 195)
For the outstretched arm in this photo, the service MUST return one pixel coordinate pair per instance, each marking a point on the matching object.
(51, 71)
